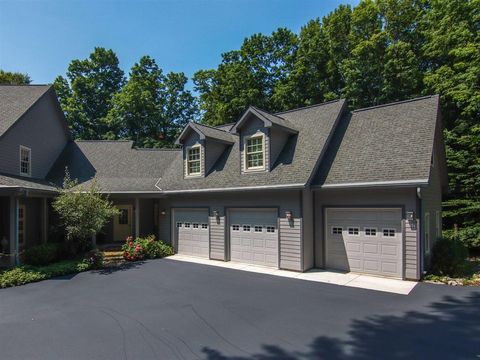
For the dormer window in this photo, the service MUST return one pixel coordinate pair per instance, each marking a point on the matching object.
(25, 161)
(255, 152)
(194, 166)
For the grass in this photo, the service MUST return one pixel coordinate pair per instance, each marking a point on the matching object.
(25, 274)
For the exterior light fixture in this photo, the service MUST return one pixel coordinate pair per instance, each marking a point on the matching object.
(410, 215)
(289, 215)
(163, 212)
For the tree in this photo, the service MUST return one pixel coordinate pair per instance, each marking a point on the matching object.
(14, 78)
(87, 92)
(83, 211)
(152, 107)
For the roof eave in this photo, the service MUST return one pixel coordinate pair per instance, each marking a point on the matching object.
(374, 184)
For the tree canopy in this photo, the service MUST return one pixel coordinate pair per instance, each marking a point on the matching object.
(14, 78)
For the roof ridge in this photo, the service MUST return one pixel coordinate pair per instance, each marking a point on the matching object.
(265, 111)
(308, 106)
(396, 103)
(26, 85)
(211, 127)
(157, 149)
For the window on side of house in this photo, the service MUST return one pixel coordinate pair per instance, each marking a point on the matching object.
(255, 153)
(426, 232)
(194, 165)
(25, 161)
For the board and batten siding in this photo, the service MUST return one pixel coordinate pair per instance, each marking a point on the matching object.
(405, 198)
(290, 233)
(42, 130)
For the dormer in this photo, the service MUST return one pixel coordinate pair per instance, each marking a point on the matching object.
(262, 138)
(202, 146)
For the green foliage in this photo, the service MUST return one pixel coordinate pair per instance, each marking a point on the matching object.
(448, 257)
(151, 108)
(42, 254)
(26, 274)
(14, 78)
(145, 248)
(83, 211)
(94, 259)
(87, 92)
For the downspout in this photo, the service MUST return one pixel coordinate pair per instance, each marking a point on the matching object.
(17, 242)
(420, 230)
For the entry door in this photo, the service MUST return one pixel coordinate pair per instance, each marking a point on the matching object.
(122, 225)
(254, 236)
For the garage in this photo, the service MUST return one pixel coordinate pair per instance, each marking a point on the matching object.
(364, 241)
(192, 232)
(254, 236)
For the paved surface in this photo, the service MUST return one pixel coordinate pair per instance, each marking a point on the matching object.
(393, 286)
(165, 309)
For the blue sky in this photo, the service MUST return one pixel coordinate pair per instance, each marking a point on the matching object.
(40, 37)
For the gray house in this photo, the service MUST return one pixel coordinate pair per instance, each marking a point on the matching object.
(318, 186)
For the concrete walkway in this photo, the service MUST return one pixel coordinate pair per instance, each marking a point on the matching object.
(337, 278)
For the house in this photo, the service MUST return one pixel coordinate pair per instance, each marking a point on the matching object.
(319, 186)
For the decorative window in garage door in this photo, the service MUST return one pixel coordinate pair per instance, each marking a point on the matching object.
(353, 231)
(388, 232)
(370, 232)
(337, 230)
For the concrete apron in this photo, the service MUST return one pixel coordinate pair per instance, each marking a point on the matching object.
(393, 286)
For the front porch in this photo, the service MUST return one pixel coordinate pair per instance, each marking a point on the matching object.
(24, 219)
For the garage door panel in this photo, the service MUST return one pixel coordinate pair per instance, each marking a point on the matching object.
(254, 236)
(371, 252)
(192, 238)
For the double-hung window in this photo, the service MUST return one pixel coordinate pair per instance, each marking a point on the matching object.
(193, 161)
(25, 161)
(255, 152)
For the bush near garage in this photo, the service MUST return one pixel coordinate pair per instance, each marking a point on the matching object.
(41, 254)
(145, 248)
(448, 257)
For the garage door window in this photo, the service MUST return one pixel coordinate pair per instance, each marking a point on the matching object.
(388, 232)
(195, 226)
(370, 232)
(246, 228)
(179, 224)
(270, 229)
(236, 227)
(187, 225)
(353, 231)
(337, 230)
(204, 226)
(258, 228)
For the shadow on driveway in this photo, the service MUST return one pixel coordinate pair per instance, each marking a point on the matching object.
(451, 324)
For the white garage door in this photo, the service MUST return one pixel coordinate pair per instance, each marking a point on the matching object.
(254, 236)
(192, 232)
(365, 241)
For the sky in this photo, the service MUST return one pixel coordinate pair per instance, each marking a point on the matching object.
(41, 37)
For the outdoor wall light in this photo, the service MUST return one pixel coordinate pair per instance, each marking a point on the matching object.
(217, 216)
(289, 215)
(163, 212)
(410, 215)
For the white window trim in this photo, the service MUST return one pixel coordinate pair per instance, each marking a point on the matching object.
(371, 228)
(426, 233)
(388, 229)
(245, 158)
(187, 161)
(353, 227)
(336, 227)
(249, 228)
(29, 174)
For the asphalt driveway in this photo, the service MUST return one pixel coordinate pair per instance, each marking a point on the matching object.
(164, 309)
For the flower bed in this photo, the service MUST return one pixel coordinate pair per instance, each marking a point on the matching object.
(145, 248)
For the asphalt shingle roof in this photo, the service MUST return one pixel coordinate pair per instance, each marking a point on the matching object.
(11, 181)
(214, 133)
(294, 165)
(15, 100)
(392, 142)
(115, 165)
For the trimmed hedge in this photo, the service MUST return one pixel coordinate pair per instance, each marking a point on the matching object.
(42, 254)
(448, 258)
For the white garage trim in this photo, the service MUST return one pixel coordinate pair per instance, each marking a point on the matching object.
(379, 228)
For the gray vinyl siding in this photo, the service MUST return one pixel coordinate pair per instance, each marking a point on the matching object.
(308, 229)
(400, 197)
(252, 127)
(41, 130)
(213, 150)
(192, 140)
(147, 226)
(290, 232)
(431, 203)
(278, 139)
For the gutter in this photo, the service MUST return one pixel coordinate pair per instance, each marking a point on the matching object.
(399, 183)
(264, 187)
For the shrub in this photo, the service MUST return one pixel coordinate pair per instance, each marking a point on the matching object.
(448, 257)
(42, 254)
(25, 274)
(145, 248)
(94, 259)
